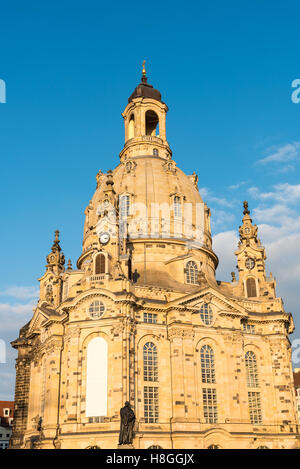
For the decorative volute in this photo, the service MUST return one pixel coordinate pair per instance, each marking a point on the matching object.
(251, 257)
(145, 123)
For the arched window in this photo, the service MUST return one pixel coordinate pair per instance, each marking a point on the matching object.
(206, 314)
(251, 287)
(131, 127)
(213, 447)
(155, 447)
(150, 362)
(151, 123)
(100, 264)
(191, 271)
(124, 206)
(155, 152)
(262, 447)
(207, 364)
(177, 206)
(251, 370)
(96, 380)
(150, 374)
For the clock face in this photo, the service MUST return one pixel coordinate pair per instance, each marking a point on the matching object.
(250, 263)
(247, 230)
(104, 238)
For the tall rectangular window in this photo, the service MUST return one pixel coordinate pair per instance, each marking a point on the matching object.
(254, 407)
(150, 404)
(210, 409)
(150, 362)
(124, 206)
(177, 207)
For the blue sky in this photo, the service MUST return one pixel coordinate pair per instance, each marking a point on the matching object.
(225, 70)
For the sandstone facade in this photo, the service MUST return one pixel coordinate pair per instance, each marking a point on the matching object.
(142, 318)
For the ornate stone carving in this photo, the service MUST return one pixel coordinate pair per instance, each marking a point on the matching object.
(178, 332)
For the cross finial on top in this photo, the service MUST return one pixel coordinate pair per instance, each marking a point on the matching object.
(144, 77)
(56, 246)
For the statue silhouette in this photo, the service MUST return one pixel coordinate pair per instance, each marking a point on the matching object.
(127, 424)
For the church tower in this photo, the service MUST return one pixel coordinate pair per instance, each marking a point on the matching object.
(141, 319)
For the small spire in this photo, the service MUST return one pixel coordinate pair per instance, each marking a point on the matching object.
(56, 258)
(246, 210)
(144, 77)
(56, 246)
(69, 265)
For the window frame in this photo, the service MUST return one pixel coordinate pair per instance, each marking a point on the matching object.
(191, 276)
(150, 362)
(177, 207)
(206, 314)
(101, 306)
(207, 365)
(124, 208)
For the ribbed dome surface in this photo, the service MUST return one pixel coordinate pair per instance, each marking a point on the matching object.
(152, 180)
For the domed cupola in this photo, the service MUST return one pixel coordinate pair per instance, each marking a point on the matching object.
(144, 89)
(145, 123)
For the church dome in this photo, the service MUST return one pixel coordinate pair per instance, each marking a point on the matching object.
(145, 90)
(148, 212)
(150, 181)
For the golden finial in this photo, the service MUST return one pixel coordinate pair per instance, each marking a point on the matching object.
(144, 69)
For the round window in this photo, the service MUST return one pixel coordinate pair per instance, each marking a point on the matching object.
(206, 314)
(96, 309)
(250, 263)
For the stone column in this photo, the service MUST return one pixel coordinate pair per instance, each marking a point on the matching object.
(51, 409)
(177, 373)
(189, 375)
(21, 400)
